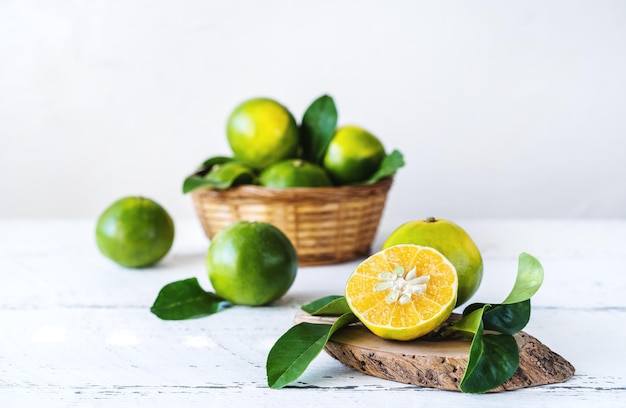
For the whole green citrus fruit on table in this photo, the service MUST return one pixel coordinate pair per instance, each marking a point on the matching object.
(294, 173)
(353, 155)
(251, 263)
(135, 232)
(261, 132)
(453, 242)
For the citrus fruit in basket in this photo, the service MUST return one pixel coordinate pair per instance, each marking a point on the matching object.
(135, 232)
(251, 263)
(294, 173)
(453, 242)
(261, 132)
(403, 292)
(353, 155)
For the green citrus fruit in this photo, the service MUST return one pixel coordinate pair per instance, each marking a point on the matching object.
(251, 263)
(453, 242)
(261, 132)
(294, 173)
(353, 155)
(135, 232)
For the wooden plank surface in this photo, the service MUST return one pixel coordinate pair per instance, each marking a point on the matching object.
(77, 331)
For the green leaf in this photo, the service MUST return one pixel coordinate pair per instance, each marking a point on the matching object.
(295, 350)
(226, 175)
(317, 128)
(221, 176)
(507, 318)
(193, 182)
(503, 318)
(197, 180)
(472, 320)
(493, 359)
(389, 166)
(186, 299)
(333, 305)
(528, 281)
(212, 161)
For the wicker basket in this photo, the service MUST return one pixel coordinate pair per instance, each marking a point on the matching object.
(327, 225)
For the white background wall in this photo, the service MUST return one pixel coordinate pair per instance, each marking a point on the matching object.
(502, 108)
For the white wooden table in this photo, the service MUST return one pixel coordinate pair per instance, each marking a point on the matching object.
(76, 329)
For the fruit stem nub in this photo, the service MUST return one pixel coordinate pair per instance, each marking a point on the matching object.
(431, 219)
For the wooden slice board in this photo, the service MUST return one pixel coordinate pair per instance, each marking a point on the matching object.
(435, 363)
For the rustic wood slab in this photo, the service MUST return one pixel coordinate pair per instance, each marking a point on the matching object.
(435, 363)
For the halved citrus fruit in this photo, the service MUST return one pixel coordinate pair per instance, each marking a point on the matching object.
(403, 292)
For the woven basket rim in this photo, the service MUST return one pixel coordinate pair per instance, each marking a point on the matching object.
(252, 190)
(327, 225)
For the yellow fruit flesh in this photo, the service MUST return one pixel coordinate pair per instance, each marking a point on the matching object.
(369, 297)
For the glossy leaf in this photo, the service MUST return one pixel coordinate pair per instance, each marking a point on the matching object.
(193, 182)
(507, 318)
(333, 305)
(528, 281)
(226, 175)
(503, 318)
(493, 359)
(221, 176)
(295, 350)
(389, 166)
(186, 299)
(212, 161)
(197, 180)
(471, 322)
(317, 128)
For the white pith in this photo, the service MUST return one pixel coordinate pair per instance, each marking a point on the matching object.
(401, 287)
